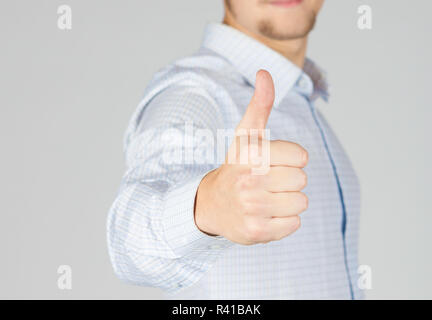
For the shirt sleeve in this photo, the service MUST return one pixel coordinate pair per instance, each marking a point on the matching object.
(152, 236)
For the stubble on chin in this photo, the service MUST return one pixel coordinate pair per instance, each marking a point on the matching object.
(267, 29)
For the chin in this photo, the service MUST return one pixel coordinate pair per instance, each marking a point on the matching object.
(288, 29)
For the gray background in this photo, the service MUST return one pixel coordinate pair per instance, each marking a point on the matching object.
(66, 97)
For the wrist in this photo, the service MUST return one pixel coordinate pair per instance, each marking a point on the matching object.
(203, 212)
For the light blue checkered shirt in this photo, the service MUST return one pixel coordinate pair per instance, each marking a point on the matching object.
(152, 237)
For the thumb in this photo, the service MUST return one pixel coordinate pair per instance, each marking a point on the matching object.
(261, 104)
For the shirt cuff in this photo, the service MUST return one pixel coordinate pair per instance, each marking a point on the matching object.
(181, 232)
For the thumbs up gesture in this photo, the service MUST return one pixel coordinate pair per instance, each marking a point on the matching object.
(248, 206)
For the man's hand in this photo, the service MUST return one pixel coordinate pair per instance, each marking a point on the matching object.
(249, 208)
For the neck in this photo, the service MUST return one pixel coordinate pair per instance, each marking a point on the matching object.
(292, 49)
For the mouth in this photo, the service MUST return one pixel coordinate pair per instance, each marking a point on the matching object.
(285, 3)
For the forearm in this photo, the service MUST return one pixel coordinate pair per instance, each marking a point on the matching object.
(153, 238)
(152, 233)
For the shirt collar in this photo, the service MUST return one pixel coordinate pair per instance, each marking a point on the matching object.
(248, 56)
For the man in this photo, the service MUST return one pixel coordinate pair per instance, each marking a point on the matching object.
(210, 230)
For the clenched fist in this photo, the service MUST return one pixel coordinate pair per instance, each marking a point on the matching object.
(243, 205)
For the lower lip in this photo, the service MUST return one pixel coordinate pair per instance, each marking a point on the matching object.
(286, 3)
